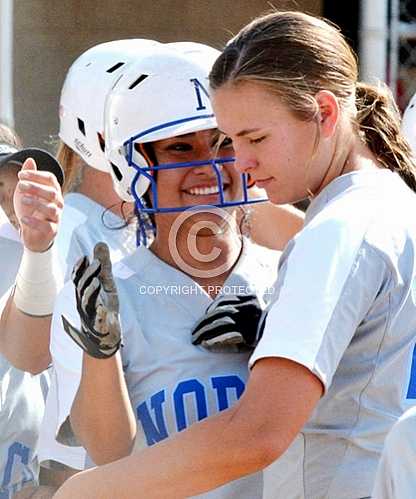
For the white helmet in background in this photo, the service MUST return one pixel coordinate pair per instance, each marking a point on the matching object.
(87, 83)
(197, 51)
(163, 94)
(409, 124)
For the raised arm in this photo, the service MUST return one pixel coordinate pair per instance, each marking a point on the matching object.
(26, 317)
(101, 416)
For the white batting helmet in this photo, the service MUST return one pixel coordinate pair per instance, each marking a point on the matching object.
(161, 95)
(409, 124)
(86, 86)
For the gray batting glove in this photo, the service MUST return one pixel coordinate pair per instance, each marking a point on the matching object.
(97, 305)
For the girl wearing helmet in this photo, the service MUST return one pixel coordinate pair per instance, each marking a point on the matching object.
(160, 130)
(93, 209)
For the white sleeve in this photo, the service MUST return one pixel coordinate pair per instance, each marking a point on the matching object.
(48, 448)
(396, 473)
(328, 279)
(67, 365)
(66, 355)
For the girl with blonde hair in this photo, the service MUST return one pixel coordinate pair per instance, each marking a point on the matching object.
(334, 368)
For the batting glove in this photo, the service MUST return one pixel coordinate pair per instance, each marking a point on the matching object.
(231, 323)
(97, 305)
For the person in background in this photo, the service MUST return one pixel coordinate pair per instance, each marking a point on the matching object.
(30, 197)
(93, 211)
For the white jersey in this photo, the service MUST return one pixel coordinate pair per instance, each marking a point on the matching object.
(171, 382)
(83, 224)
(396, 473)
(11, 251)
(351, 271)
(21, 412)
(21, 395)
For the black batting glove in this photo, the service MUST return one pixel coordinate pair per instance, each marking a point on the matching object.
(231, 323)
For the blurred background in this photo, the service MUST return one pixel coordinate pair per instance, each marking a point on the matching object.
(39, 39)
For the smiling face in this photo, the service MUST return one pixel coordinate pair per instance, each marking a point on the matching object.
(198, 185)
(276, 148)
(8, 182)
(195, 185)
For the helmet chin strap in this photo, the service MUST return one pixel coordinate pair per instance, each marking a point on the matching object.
(144, 227)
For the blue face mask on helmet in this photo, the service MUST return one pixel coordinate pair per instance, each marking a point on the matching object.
(147, 174)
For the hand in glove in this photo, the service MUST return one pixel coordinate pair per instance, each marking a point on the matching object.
(231, 323)
(97, 305)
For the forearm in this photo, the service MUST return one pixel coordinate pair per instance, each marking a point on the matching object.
(101, 416)
(171, 469)
(273, 226)
(24, 339)
(246, 438)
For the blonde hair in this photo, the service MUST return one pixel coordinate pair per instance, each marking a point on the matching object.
(72, 166)
(295, 55)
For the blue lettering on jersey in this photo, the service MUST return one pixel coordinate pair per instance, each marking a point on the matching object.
(227, 390)
(411, 390)
(189, 387)
(154, 432)
(16, 450)
(198, 87)
(223, 383)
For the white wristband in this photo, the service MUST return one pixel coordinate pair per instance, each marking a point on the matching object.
(37, 283)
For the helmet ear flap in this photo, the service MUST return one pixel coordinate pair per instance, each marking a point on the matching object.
(123, 176)
(122, 180)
